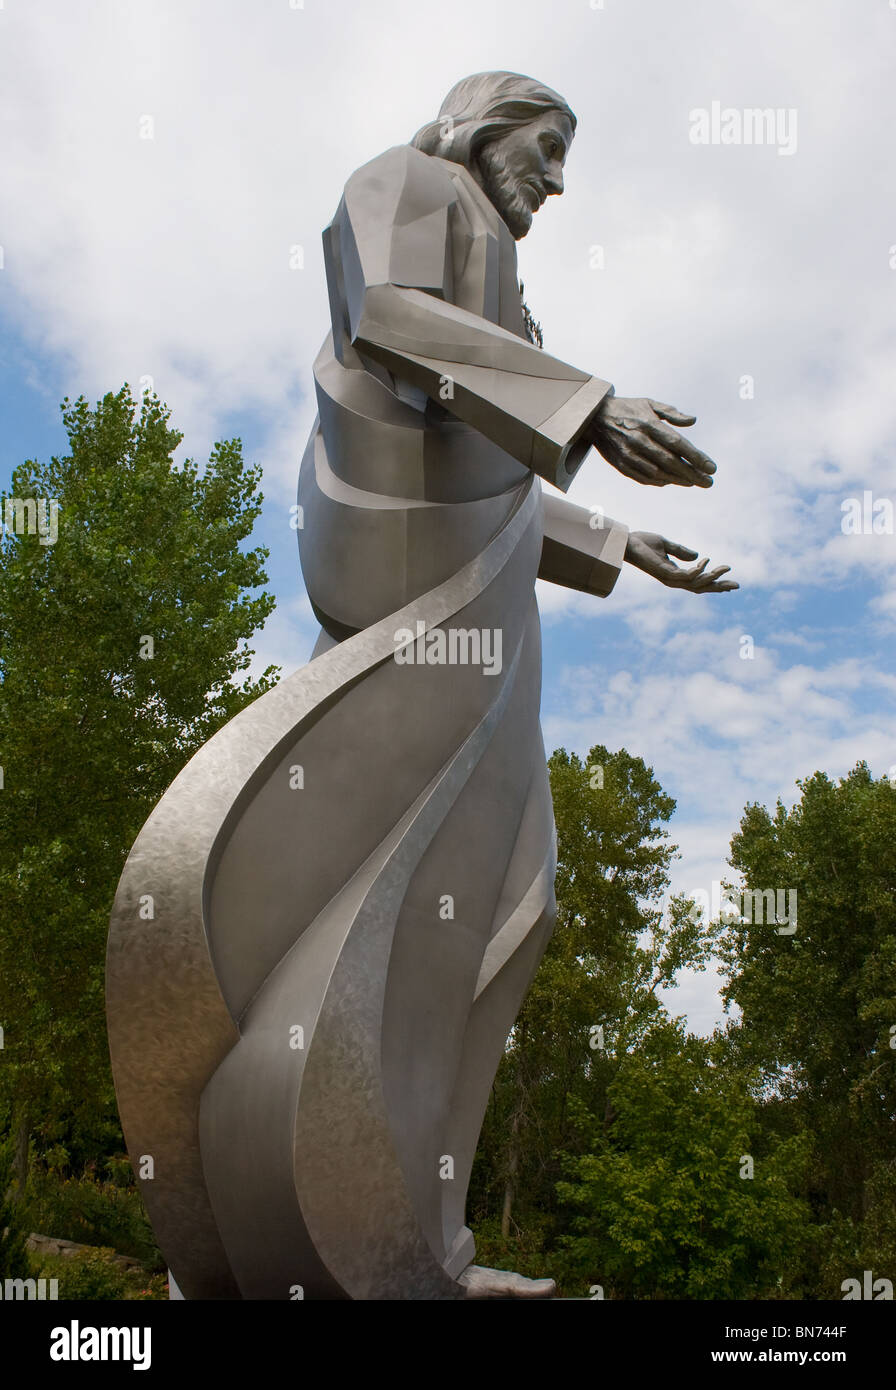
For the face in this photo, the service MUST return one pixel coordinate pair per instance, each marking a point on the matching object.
(519, 170)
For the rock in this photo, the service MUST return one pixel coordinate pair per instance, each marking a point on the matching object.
(53, 1245)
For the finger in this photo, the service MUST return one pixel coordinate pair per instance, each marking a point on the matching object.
(671, 413)
(634, 465)
(694, 573)
(680, 469)
(678, 445)
(668, 464)
(711, 576)
(724, 586)
(681, 552)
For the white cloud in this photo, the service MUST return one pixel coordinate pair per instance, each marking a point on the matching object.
(718, 739)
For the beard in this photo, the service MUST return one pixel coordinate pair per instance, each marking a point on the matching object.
(505, 191)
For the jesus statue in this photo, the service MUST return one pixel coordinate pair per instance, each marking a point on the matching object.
(353, 880)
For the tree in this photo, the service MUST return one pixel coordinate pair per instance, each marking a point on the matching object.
(819, 1004)
(618, 1149)
(675, 1200)
(595, 993)
(758, 1163)
(120, 642)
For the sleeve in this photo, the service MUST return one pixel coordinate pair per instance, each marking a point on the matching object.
(581, 549)
(392, 237)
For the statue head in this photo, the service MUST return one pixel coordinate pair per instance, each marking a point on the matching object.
(512, 133)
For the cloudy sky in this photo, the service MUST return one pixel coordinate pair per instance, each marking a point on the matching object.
(162, 158)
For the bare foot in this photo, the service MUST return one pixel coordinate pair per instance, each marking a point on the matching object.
(503, 1283)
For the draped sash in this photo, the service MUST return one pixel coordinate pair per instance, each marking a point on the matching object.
(350, 888)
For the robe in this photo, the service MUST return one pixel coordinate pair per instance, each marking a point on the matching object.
(353, 880)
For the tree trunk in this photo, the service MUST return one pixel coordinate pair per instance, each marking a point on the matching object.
(20, 1158)
(509, 1186)
(513, 1158)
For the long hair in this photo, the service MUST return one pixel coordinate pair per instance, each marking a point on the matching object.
(481, 107)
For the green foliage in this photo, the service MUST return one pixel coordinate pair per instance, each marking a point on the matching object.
(617, 1155)
(94, 1275)
(680, 1197)
(612, 950)
(851, 1246)
(818, 1006)
(91, 1212)
(524, 1251)
(13, 1229)
(92, 730)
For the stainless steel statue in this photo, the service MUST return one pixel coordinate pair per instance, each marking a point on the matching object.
(325, 930)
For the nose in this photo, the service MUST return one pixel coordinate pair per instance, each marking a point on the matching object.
(553, 178)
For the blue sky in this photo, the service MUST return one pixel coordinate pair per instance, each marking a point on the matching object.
(169, 257)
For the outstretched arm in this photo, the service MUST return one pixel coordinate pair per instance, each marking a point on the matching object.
(581, 549)
(390, 254)
(584, 550)
(391, 251)
(653, 554)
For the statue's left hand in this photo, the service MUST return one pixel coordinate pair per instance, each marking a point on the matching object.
(652, 553)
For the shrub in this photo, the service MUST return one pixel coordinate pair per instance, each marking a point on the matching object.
(92, 1212)
(93, 1275)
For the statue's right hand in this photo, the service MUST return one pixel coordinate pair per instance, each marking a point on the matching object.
(637, 438)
